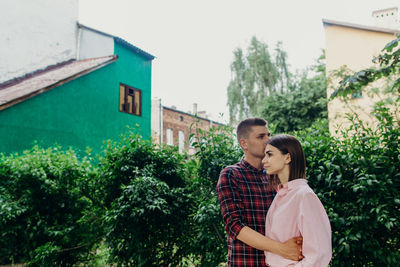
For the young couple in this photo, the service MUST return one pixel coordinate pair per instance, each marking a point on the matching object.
(272, 217)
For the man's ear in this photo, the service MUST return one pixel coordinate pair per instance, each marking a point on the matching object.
(288, 159)
(243, 144)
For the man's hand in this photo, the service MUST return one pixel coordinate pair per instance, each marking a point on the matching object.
(292, 249)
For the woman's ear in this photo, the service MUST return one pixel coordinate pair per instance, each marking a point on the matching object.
(288, 159)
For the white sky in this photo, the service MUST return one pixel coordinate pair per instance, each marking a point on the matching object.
(193, 41)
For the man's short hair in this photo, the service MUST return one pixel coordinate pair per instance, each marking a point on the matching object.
(244, 128)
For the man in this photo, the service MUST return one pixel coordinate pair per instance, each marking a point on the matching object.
(245, 199)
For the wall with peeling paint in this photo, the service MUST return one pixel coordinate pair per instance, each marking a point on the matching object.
(36, 34)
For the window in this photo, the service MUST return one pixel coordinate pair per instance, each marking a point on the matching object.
(181, 141)
(130, 100)
(170, 137)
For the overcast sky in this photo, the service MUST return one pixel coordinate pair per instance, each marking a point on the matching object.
(193, 41)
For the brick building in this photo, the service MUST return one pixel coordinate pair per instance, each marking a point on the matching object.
(176, 126)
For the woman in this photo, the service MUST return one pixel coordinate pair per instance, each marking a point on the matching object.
(296, 209)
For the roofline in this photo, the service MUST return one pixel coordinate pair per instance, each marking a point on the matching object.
(133, 48)
(94, 30)
(192, 115)
(329, 22)
(59, 83)
(29, 75)
(385, 9)
(120, 41)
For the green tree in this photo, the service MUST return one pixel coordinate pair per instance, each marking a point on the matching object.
(255, 76)
(284, 81)
(299, 107)
(143, 192)
(357, 176)
(46, 212)
(388, 67)
(357, 179)
(216, 149)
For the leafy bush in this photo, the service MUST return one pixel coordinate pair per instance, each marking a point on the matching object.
(357, 176)
(358, 179)
(216, 149)
(121, 160)
(150, 205)
(147, 224)
(44, 210)
(143, 188)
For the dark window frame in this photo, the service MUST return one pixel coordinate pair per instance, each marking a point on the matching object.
(130, 91)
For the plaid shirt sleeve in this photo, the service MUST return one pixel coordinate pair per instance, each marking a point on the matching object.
(231, 203)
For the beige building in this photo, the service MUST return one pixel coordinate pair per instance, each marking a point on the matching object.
(353, 47)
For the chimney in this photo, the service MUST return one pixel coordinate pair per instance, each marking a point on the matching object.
(387, 18)
(194, 108)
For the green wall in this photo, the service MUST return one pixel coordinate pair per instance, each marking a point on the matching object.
(81, 113)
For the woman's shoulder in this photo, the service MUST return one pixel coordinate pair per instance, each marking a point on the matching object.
(304, 190)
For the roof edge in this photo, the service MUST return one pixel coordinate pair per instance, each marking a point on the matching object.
(12, 102)
(193, 115)
(29, 75)
(94, 30)
(120, 41)
(133, 48)
(385, 9)
(359, 26)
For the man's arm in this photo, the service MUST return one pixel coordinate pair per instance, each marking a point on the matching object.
(231, 202)
(227, 190)
(291, 249)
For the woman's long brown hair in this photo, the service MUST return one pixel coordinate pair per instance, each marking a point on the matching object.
(297, 167)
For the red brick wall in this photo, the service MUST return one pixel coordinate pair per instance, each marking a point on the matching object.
(181, 121)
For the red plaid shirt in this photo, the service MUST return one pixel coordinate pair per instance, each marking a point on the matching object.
(245, 200)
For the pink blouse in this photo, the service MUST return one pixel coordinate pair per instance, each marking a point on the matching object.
(296, 210)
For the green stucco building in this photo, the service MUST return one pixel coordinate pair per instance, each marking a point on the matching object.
(79, 103)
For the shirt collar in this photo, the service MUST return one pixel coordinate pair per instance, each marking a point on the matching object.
(249, 166)
(292, 185)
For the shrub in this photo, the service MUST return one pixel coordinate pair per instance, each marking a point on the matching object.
(44, 210)
(358, 179)
(146, 224)
(216, 149)
(143, 189)
(121, 160)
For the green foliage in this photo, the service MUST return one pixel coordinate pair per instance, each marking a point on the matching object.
(284, 76)
(147, 224)
(162, 208)
(301, 106)
(358, 179)
(46, 215)
(255, 76)
(143, 188)
(388, 67)
(216, 149)
(357, 176)
(145, 205)
(262, 86)
(118, 166)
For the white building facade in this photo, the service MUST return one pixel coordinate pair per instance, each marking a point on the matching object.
(36, 34)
